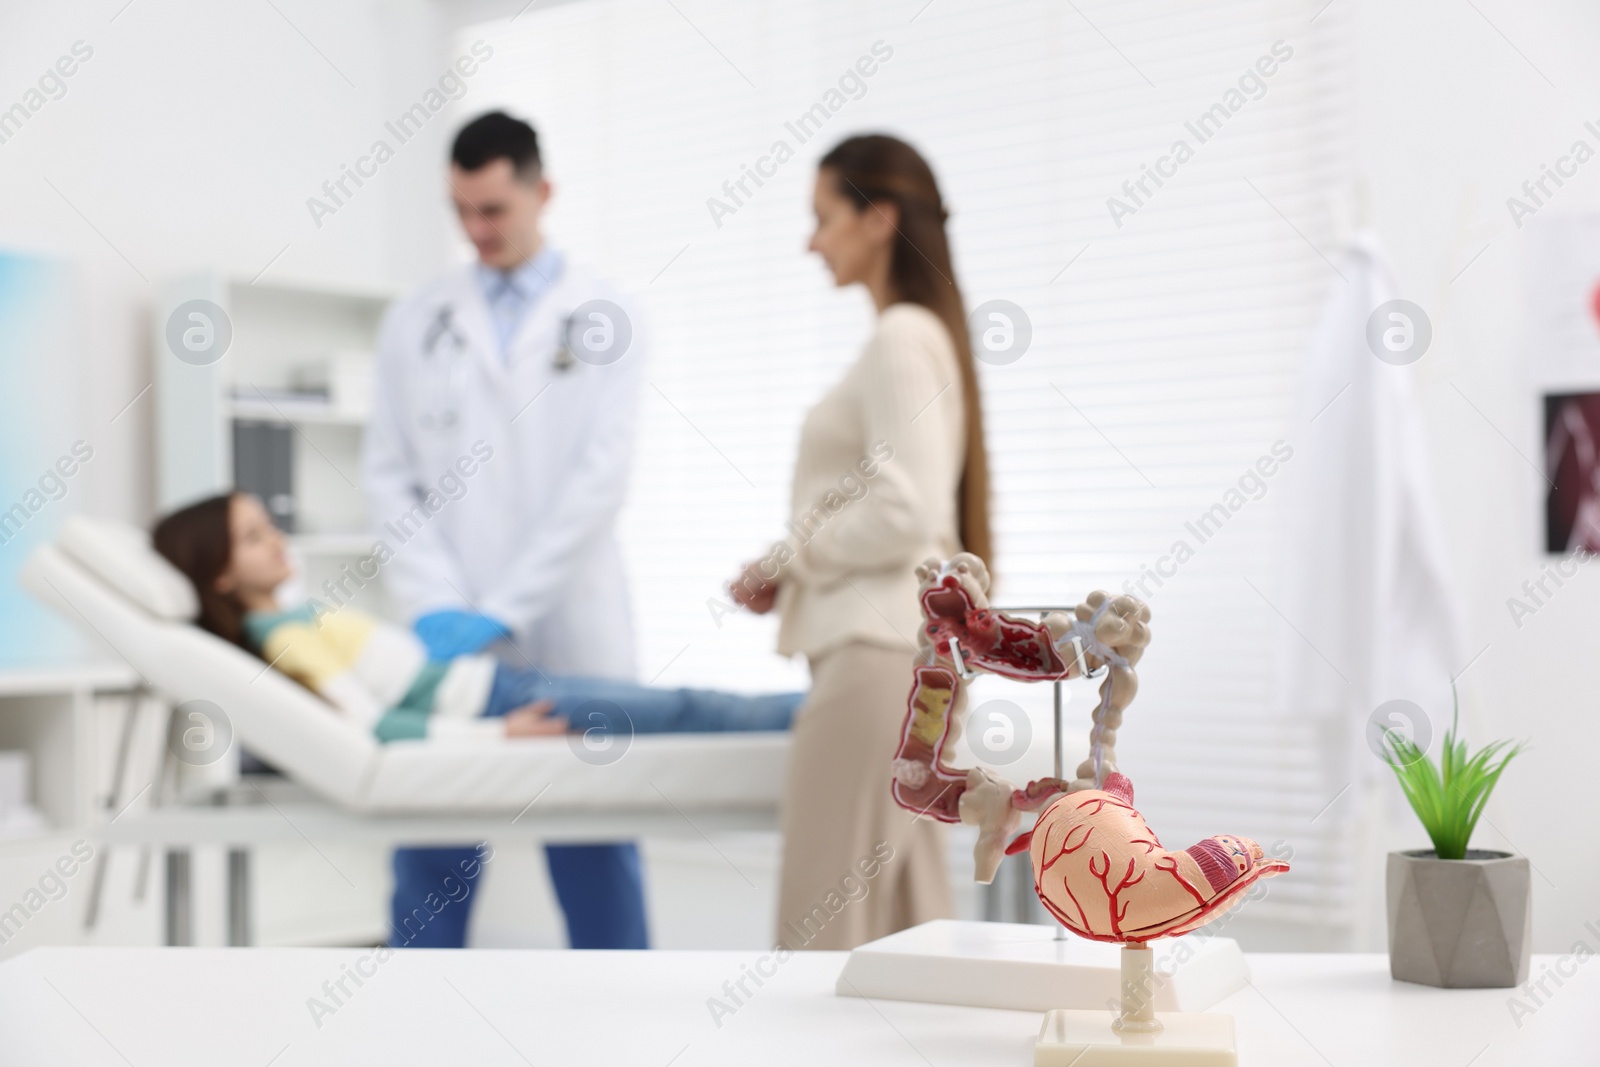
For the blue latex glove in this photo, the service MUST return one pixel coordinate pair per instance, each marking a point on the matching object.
(450, 633)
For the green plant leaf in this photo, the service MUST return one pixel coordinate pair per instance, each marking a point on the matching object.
(1449, 796)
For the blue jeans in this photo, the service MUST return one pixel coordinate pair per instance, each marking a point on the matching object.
(600, 887)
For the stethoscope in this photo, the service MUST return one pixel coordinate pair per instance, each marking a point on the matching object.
(441, 393)
(446, 369)
(563, 359)
(443, 325)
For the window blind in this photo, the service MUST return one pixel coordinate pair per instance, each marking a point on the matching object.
(1167, 319)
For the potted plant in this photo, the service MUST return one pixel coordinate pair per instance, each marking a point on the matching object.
(1459, 917)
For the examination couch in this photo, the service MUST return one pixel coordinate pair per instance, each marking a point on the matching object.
(105, 577)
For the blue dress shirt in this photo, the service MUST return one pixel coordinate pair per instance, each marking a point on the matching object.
(512, 294)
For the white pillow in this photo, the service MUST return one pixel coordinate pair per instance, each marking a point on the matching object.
(120, 555)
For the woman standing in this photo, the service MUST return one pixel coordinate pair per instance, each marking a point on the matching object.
(891, 470)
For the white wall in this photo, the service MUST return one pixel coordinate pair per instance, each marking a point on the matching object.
(1451, 121)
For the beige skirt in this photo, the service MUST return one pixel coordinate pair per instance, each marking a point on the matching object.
(856, 866)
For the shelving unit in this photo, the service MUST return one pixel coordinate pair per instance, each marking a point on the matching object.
(55, 713)
(343, 546)
(277, 409)
(277, 327)
(47, 712)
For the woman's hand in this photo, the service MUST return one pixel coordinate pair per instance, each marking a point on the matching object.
(535, 720)
(753, 590)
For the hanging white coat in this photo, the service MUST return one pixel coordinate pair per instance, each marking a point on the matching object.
(1370, 588)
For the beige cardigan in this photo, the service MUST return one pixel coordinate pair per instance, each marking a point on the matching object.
(875, 488)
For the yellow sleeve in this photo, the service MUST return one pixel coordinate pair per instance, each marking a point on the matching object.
(301, 652)
(346, 632)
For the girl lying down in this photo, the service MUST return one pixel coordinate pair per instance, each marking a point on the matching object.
(379, 675)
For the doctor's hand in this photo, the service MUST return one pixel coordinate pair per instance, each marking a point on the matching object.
(753, 590)
(448, 634)
(535, 720)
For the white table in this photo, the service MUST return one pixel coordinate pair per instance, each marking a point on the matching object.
(248, 1007)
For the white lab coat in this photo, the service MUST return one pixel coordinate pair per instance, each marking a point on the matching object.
(530, 538)
(1369, 589)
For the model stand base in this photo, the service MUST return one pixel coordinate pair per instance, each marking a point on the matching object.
(1076, 1038)
(1025, 967)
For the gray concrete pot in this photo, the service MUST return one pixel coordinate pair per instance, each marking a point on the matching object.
(1460, 924)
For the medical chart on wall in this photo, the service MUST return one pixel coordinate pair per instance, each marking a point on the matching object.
(1562, 336)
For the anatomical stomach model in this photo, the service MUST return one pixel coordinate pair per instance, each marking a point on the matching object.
(1098, 868)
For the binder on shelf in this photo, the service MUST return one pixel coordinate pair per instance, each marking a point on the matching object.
(263, 464)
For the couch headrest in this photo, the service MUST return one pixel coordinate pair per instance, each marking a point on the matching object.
(120, 556)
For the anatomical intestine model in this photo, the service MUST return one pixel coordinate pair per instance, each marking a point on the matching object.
(1097, 867)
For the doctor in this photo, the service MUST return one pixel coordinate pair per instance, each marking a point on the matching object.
(499, 446)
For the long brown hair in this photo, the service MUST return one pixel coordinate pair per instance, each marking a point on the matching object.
(877, 169)
(199, 542)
